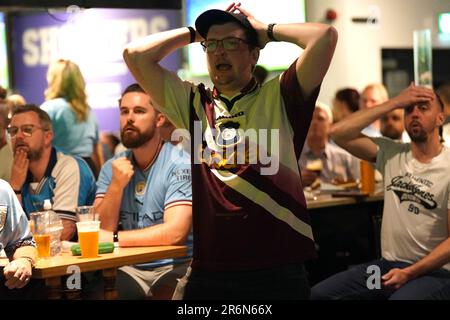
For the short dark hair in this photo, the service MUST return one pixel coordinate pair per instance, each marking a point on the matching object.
(4, 111)
(44, 118)
(444, 92)
(351, 98)
(134, 87)
(3, 93)
(260, 73)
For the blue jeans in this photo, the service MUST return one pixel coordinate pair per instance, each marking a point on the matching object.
(352, 284)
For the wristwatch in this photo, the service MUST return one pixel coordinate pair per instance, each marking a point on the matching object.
(32, 262)
(116, 236)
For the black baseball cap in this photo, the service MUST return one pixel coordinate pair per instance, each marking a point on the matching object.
(216, 16)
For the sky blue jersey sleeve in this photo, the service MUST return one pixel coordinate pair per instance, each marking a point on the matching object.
(104, 178)
(14, 228)
(179, 187)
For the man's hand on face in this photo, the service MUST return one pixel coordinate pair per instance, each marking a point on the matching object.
(413, 95)
(19, 169)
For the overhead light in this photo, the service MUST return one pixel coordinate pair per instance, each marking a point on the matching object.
(444, 23)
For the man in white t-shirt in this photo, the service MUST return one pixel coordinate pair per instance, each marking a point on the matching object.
(415, 241)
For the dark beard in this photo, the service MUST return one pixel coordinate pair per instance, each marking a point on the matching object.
(34, 155)
(137, 140)
(419, 137)
(392, 134)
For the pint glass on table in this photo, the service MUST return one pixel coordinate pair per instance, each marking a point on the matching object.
(367, 177)
(88, 238)
(39, 226)
(86, 213)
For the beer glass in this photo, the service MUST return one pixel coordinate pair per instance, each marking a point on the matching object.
(367, 177)
(85, 213)
(315, 166)
(39, 225)
(88, 237)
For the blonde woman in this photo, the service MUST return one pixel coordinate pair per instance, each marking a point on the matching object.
(74, 123)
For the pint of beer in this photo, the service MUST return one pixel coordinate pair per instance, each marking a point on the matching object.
(88, 238)
(39, 226)
(367, 177)
(42, 245)
(315, 166)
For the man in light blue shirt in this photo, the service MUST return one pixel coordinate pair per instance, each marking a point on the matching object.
(40, 172)
(144, 198)
(17, 247)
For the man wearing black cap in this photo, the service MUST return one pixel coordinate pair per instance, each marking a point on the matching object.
(251, 225)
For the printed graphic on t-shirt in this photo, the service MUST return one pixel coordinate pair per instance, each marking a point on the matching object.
(139, 189)
(413, 189)
(182, 174)
(138, 220)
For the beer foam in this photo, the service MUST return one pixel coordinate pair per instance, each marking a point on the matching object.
(88, 226)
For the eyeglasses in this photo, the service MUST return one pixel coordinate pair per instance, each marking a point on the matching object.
(229, 44)
(27, 130)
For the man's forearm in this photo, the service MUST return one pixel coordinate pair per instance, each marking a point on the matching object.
(302, 34)
(26, 251)
(142, 58)
(109, 208)
(173, 231)
(351, 127)
(159, 234)
(433, 261)
(69, 229)
(157, 46)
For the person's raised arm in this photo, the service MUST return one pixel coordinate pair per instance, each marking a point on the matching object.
(108, 207)
(347, 133)
(143, 56)
(438, 257)
(318, 41)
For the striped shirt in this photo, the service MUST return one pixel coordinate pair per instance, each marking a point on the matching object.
(14, 229)
(68, 182)
(249, 210)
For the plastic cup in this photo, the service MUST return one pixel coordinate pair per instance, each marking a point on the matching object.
(367, 177)
(88, 238)
(85, 213)
(39, 225)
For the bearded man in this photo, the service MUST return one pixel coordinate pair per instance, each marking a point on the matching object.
(40, 172)
(144, 198)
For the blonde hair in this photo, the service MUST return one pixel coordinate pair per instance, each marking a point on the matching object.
(325, 108)
(380, 88)
(66, 81)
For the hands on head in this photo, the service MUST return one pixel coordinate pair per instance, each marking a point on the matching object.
(413, 95)
(260, 28)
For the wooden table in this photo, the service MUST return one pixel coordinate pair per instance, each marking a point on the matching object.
(53, 269)
(327, 200)
(346, 232)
